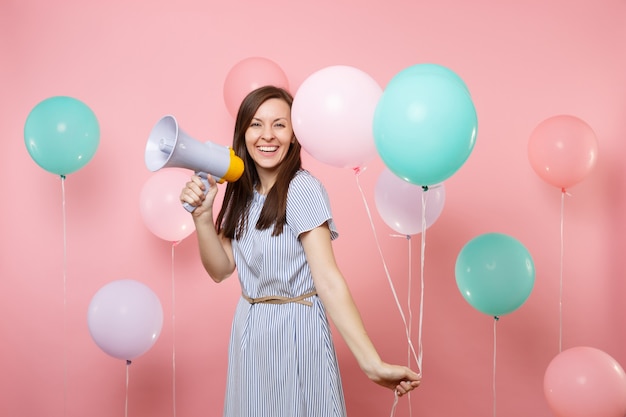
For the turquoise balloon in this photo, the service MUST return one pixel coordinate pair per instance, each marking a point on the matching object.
(425, 124)
(431, 69)
(495, 273)
(61, 134)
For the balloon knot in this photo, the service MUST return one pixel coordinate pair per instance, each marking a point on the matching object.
(357, 170)
(496, 318)
(62, 177)
(425, 188)
(128, 362)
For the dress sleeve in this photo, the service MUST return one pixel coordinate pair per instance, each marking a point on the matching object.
(308, 205)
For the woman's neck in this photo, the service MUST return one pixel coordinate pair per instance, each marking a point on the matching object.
(266, 182)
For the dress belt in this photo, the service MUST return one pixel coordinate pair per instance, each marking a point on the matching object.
(277, 299)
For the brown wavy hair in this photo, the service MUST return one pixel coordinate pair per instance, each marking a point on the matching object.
(232, 219)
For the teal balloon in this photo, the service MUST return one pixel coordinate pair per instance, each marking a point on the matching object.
(61, 134)
(431, 69)
(425, 124)
(495, 273)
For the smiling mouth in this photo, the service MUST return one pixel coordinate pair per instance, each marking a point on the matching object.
(267, 148)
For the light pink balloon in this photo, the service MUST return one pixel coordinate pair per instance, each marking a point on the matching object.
(585, 381)
(399, 203)
(333, 116)
(563, 150)
(161, 209)
(125, 318)
(248, 75)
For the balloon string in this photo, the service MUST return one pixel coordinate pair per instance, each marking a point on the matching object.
(422, 262)
(562, 251)
(561, 275)
(395, 403)
(393, 290)
(410, 310)
(127, 379)
(408, 297)
(563, 193)
(422, 259)
(64, 293)
(410, 290)
(495, 321)
(173, 334)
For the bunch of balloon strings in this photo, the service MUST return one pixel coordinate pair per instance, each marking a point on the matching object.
(407, 324)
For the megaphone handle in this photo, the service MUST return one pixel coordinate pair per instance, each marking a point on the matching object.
(203, 177)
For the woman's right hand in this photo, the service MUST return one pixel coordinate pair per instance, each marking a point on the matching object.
(194, 194)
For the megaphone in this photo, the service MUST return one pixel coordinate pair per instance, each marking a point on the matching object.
(169, 146)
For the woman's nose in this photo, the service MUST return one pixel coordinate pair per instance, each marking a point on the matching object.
(267, 133)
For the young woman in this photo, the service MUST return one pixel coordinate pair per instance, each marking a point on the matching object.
(275, 227)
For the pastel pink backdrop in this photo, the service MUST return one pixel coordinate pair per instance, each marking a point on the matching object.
(134, 61)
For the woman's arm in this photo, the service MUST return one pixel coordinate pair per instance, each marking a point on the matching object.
(335, 294)
(216, 251)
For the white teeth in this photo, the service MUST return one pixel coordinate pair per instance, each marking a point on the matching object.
(268, 148)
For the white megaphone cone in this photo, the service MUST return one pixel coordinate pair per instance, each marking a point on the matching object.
(170, 146)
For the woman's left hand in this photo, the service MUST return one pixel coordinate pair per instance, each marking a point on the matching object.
(396, 377)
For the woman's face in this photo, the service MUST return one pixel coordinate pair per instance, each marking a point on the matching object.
(270, 134)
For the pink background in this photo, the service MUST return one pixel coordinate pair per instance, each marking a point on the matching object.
(134, 61)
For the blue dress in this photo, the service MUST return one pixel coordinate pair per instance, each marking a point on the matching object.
(282, 361)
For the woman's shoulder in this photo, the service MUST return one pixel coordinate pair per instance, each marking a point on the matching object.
(304, 182)
(305, 186)
(304, 178)
(308, 204)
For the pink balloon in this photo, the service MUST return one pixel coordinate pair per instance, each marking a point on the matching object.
(563, 150)
(125, 318)
(250, 74)
(161, 209)
(585, 381)
(399, 203)
(333, 115)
